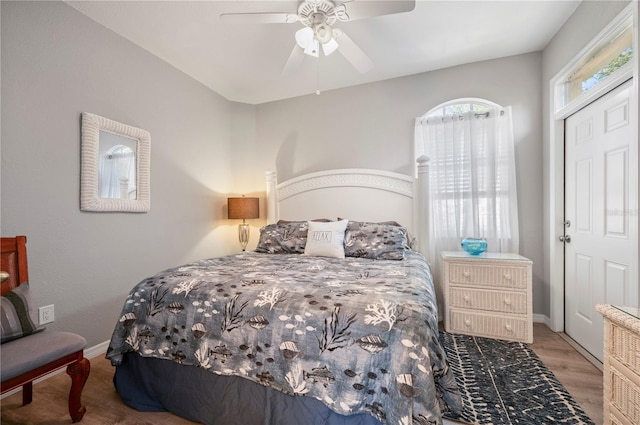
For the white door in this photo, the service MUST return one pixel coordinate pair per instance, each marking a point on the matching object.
(601, 209)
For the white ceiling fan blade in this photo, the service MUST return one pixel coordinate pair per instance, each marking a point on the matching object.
(366, 9)
(294, 61)
(259, 18)
(352, 52)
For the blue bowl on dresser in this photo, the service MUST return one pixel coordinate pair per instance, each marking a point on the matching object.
(474, 246)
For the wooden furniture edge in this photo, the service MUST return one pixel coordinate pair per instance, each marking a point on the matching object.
(78, 367)
(18, 245)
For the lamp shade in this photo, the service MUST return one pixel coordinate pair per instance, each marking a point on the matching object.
(243, 208)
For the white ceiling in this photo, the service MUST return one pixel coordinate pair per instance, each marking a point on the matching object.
(244, 62)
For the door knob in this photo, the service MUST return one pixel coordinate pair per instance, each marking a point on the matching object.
(565, 238)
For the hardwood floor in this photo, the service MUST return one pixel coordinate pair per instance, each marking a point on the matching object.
(581, 378)
(104, 406)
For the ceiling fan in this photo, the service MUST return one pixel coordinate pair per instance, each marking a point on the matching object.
(318, 16)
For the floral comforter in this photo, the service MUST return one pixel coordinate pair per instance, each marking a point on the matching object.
(360, 335)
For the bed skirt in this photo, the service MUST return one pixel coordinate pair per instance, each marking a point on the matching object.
(157, 385)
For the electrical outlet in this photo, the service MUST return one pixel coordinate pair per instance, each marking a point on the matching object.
(45, 314)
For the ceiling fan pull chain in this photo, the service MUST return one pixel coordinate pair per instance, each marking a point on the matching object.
(318, 76)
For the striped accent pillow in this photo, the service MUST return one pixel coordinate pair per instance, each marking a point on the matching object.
(18, 316)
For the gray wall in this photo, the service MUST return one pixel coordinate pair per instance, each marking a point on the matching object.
(56, 64)
(585, 23)
(372, 125)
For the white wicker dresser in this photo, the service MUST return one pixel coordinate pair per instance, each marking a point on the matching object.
(621, 365)
(488, 295)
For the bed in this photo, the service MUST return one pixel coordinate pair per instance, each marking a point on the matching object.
(346, 334)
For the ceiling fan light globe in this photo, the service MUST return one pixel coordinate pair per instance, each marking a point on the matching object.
(313, 49)
(323, 33)
(304, 37)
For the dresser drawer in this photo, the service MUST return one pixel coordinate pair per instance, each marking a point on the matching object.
(616, 418)
(625, 346)
(621, 375)
(484, 299)
(625, 394)
(489, 325)
(487, 274)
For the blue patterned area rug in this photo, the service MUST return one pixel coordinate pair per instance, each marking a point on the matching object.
(506, 383)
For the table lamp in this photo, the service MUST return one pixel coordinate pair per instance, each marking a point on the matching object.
(243, 208)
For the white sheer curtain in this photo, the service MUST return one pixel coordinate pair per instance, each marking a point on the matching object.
(472, 180)
(117, 166)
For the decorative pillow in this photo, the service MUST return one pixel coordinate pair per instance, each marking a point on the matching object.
(326, 239)
(285, 238)
(377, 241)
(411, 240)
(18, 316)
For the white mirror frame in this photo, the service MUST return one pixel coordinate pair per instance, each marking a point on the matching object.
(92, 125)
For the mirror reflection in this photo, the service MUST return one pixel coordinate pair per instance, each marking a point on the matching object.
(115, 166)
(117, 175)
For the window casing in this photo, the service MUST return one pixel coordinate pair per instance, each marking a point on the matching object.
(605, 63)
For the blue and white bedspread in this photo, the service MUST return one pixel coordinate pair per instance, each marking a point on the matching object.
(360, 335)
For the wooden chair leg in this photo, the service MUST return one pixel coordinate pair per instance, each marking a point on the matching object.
(79, 372)
(27, 393)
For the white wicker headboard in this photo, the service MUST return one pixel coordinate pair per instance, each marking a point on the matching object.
(356, 194)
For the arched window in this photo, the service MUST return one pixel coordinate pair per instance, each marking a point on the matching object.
(118, 173)
(472, 186)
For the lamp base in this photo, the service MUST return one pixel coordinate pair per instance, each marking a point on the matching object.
(243, 234)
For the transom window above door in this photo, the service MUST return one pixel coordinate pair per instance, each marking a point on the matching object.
(602, 65)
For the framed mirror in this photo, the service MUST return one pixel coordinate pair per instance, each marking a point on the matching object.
(115, 166)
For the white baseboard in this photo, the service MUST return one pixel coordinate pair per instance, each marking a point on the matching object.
(541, 318)
(89, 353)
(96, 350)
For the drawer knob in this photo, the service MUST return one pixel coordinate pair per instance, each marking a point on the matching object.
(508, 328)
(467, 322)
(507, 301)
(466, 298)
(507, 276)
(466, 274)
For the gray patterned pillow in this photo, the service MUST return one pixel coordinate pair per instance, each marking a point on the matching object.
(285, 238)
(377, 241)
(18, 315)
